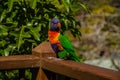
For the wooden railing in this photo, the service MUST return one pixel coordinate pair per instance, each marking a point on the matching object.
(43, 67)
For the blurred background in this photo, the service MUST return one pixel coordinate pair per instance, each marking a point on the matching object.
(100, 41)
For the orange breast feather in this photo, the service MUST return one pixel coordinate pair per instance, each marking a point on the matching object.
(53, 37)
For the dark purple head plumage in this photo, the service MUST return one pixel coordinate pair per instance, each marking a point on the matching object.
(55, 24)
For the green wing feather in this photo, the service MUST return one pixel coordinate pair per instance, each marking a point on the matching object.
(68, 49)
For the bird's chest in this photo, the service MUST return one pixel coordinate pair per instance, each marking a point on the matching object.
(53, 37)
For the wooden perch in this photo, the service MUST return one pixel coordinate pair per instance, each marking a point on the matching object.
(39, 60)
(72, 69)
(79, 71)
(19, 62)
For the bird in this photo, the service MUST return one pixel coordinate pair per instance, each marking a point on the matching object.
(60, 43)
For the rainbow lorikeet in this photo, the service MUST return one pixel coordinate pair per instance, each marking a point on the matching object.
(60, 43)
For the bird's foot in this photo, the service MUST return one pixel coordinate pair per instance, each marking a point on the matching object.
(54, 58)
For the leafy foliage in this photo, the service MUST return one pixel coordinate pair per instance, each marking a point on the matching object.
(9, 75)
(24, 24)
(70, 6)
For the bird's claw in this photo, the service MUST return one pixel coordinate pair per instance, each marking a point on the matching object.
(54, 58)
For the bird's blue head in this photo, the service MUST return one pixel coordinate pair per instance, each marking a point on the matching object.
(55, 24)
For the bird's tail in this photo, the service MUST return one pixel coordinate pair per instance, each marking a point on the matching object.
(76, 58)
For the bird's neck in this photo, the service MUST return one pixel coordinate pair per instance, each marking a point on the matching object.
(53, 36)
(55, 29)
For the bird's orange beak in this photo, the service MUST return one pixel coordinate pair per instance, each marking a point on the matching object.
(58, 25)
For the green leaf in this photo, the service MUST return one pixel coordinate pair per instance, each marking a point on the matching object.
(2, 52)
(3, 15)
(66, 4)
(6, 51)
(74, 24)
(9, 49)
(14, 14)
(33, 3)
(75, 7)
(34, 43)
(26, 35)
(84, 7)
(20, 38)
(12, 47)
(14, 33)
(10, 5)
(2, 43)
(3, 30)
(66, 23)
(35, 33)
